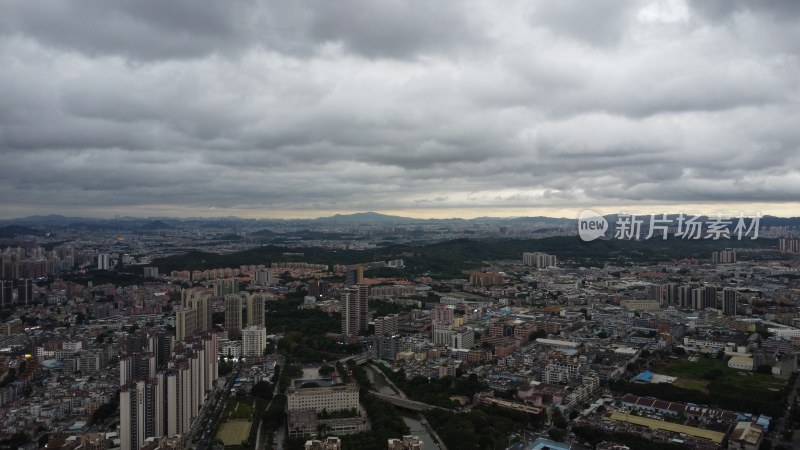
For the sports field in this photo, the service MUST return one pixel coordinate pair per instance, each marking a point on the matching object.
(237, 410)
(234, 432)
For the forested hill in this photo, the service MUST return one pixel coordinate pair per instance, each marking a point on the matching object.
(452, 257)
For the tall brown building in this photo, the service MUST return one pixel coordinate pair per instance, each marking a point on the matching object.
(354, 309)
(255, 309)
(233, 315)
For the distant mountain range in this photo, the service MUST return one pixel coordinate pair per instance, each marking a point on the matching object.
(369, 217)
(41, 224)
(156, 225)
(378, 218)
(364, 218)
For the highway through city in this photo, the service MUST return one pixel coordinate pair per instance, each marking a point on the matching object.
(215, 404)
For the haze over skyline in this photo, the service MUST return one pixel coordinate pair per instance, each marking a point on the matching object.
(449, 109)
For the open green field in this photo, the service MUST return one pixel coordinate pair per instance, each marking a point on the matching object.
(684, 367)
(698, 374)
(709, 381)
(237, 410)
(234, 432)
(236, 422)
(689, 383)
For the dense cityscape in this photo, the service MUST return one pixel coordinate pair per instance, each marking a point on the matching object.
(331, 334)
(399, 225)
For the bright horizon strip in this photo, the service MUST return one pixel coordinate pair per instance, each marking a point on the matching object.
(788, 209)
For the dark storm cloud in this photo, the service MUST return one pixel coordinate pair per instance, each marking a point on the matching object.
(394, 28)
(144, 30)
(598, 22)
(395, 105)
(788, 10)
(138, 29)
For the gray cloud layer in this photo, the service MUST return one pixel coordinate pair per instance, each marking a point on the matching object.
(396, 105)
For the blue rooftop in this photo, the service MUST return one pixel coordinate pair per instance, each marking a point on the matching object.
(644, 377)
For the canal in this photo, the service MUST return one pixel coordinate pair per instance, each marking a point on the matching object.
(411, 418)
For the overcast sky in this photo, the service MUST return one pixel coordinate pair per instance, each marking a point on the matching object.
(423, 108)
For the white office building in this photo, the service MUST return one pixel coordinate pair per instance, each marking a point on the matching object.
(254, 341)
(333, 398)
